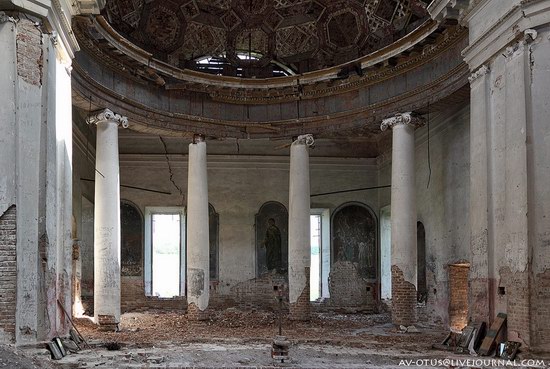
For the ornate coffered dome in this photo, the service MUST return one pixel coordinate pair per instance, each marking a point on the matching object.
(330, 68)
(258, 38)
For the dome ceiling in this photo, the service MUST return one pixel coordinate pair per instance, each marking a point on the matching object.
(304, 35)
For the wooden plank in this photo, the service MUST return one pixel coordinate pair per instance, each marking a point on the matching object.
(489, 340)
(464, 339)
(481, 328)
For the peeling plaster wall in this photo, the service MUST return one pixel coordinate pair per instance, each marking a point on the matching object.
(510, 101)
(35, 162)
(538, 171)
(443, 207)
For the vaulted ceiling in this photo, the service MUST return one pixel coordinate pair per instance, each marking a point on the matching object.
(304, 35)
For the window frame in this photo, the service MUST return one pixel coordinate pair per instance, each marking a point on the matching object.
(148, 254)
(325, 249)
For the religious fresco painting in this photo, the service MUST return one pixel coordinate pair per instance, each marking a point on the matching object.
(354, 238)
(213, 227)
(131, 245)
(272, 239)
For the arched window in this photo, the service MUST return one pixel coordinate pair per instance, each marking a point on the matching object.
(131, 242)
(272, 238)
(354, 238)
(213, 227)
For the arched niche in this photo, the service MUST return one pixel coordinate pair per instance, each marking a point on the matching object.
(421, 262)
(354, 238)
(271, 224)
(213, 228)
(131, 245)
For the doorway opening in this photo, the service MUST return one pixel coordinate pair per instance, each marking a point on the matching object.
(164, 259)
(320, 254)
(421, 281)
(385, 252)
(166, 254)
(315, 269)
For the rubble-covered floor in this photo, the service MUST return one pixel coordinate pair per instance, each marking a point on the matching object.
(235, 339)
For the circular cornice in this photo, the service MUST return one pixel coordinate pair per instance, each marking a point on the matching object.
(348, 100)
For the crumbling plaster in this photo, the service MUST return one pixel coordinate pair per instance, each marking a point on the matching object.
(36, 173)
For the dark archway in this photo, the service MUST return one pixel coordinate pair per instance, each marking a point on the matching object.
(422, 284)
(354, 238)
(213, 228)
(354, 258)
(131, 245)
(271, 234)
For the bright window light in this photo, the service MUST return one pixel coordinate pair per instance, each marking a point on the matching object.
(315, 270)
(166, 254)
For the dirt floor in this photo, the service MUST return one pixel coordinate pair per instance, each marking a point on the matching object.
(235, 339)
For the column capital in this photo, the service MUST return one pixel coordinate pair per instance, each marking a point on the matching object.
(197, 137)
(481, 71)
(402, 118)
(107, 115)
(6, 18)
(306, 139)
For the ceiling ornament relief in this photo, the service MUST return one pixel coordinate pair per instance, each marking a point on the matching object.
(307, 35)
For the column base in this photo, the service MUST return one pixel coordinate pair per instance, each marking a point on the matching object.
(107, 323)
(195, 314)
(403, 304)
(301, 309)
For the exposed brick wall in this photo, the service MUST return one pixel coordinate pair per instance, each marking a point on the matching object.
(348, 290)
(403, 304)
(195, 314)
(259, 293)
(540, 309)
(8, 274)
(516, 289)
(458, 296)
(133, 297)
(479, 300)
(29, 52)
(300, 310)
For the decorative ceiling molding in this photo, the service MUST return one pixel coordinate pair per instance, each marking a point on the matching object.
(362, 121)
(331, 32)
(123, 57)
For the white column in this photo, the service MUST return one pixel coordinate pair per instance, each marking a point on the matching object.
(481, 255)
(403, 218)
(107, 219)
(299, 253)
(198, 256)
